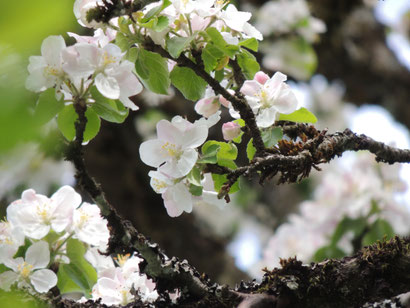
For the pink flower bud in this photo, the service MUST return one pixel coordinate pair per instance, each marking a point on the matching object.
(207, 106)
(224, 101)
(230, 130)
(261, 77)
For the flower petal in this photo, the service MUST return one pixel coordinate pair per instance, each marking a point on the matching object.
(43, 280)
(38, 255)
(108, 86)
(151, 153)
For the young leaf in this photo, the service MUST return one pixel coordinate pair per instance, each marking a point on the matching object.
(67, 117)
(47, 106)
(248, 64)
(194, 176)
(190, 84)
(378, 230)
(176, 45)
(301, 115)
(108, 109)
(226, 153)
(153, 71)
(250, 43)
(220, 179)
(271, 136)
(211, 56)
(209, 153)
(195, 190)
(250, 150)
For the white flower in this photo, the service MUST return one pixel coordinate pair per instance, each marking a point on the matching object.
(270, 98)
(176, 196)
(88, 225)
(11, 238)
(30, 270)
(113, 76)
(36, 214)
(46, 70)
(174, 151)
(97, 260)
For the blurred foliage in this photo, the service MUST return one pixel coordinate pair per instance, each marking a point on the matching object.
(24, 25)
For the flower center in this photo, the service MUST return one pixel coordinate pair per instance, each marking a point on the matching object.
(108, 59)
(24, 269)
(158, 185)
(122, 259)
(84, 217)
(171, 149)
(44, 212)
(51, 71)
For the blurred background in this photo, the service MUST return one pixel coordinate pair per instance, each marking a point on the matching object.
(348, 61)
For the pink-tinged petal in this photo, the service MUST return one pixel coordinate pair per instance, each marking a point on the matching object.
(186, 162)
(51, 49)
(286, 101)
(177, 200)
(207, 106)
(43, 280)
(29, 195)
(166, 131)
(276, 81)
(251, 88)
(114, 51)
(266, 117)
(152, 154)
(38, 255)
(230, 130)
(261, 77)
(194, 137)
(181, 124)
(81, 60)
(65, 201)
(7, 279)
(108, 86)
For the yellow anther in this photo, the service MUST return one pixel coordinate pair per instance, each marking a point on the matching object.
(44, 212)
(24, 269)
(170, 148)
(108, 59)
(50, 70)
(84, 217)
(158, 184)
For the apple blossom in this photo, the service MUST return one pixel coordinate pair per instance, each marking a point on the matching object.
(36, 214)
(31, 270)
(46, 70)
(10, 239)
(230, 130)
(270, 98)
(80, 11)
(174, 152)
(88, 225)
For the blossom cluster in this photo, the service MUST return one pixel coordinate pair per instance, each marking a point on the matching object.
(41, 229)
(174, 154)
(73, 70)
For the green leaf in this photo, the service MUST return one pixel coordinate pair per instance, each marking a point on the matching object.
(47, 106)
(211, 56)
(81, 273)
(209, 154)
(108, 109)
(271, 136)
(328, 252)
(226, 153)
(220, 179)
(155, 11)
(301, 115)
(248, 64)
(240, 122)
(194, 176)
(176, 45)
(195, 190)
(250, 150)
(122, 41)
(65, 283)
(378, 231)
(348, 224)
(67, 117)
(162, 23)
(250, 43)
(218, 41)
(153, 71)
(190, 84)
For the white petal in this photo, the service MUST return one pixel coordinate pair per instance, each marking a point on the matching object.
(151, 153)
(43, 280)
(38, 255)
(177, 200)
(166, 131)
(186, 162)
(108, 86)
(251, 88)
(51, 49)
(194, 137)
(276, 81)
(36, 62)
(36, 81)
(7, 279)
(65, 200)
(286, 101)
(266, 117)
